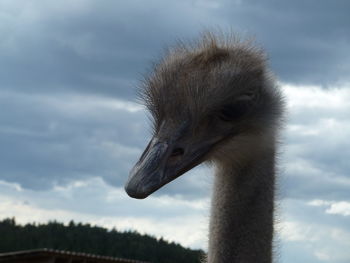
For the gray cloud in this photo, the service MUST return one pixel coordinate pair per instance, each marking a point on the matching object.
(52, 140)
(316, 153)
(61, 49)
(307, 40)
(56, 139)
(69, 68)
(93, 47)
(104, 48)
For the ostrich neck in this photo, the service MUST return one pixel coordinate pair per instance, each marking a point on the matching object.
(241, 223)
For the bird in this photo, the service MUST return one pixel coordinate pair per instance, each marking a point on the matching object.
(214, 100)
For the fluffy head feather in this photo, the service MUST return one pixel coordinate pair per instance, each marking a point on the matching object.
(215, 76)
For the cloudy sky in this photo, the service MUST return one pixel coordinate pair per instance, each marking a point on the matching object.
(70, 129)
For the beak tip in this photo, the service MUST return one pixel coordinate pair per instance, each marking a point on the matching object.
(132, 192)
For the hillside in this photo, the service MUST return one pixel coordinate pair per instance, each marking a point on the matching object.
(93, 239)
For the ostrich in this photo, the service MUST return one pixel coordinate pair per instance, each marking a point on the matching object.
(215, 101)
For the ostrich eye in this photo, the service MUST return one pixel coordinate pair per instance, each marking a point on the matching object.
(238, 109)
(234, 111)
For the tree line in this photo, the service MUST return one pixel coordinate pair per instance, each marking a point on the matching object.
(86, 238)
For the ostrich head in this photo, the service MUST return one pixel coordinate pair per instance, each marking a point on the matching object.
(213, 101)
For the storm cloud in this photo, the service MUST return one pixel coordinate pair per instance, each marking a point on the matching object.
(70, 127)
(103, 47)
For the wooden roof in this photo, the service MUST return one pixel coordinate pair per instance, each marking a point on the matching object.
(58, 256)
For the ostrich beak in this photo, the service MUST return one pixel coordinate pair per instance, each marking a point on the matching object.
(163, 161)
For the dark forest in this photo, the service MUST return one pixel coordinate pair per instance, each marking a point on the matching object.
(87, 238)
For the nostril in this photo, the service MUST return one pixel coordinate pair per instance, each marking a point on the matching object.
(177, 152)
